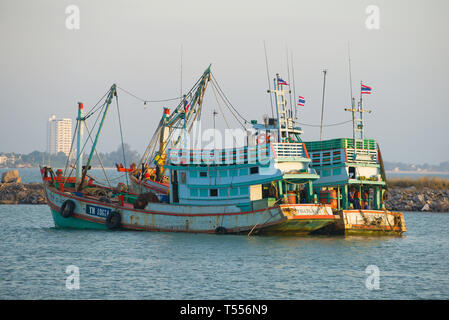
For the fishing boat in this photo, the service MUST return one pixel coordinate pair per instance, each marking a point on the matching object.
(353, 180)
(264, 186)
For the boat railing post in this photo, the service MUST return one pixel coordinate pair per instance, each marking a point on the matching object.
(344, 196)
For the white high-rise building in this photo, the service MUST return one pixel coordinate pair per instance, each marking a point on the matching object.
(59, 135)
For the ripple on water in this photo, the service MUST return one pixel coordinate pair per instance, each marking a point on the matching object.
(146, 265)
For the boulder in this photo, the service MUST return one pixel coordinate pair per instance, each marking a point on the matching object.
(11, 177)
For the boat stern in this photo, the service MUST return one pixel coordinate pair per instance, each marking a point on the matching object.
(371, 222)
(302, 219)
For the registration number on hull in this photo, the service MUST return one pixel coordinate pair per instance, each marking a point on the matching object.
(97, 211)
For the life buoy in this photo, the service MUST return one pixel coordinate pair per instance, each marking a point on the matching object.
(221, 230)
(67, 208)
(114, 220)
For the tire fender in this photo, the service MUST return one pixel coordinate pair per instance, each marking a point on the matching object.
(67, 209)
(114, 220)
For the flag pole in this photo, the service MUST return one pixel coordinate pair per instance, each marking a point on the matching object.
(360, 112)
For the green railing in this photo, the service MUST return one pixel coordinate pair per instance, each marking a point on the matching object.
(342, 143)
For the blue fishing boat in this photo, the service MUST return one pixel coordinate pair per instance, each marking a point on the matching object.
(264, 186)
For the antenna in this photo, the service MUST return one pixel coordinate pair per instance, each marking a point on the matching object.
(322, 103)
(288, 76)
(294, 86)
(268, 79)
(350, 72)
(350, 88)
(214, 114)
(180, 90)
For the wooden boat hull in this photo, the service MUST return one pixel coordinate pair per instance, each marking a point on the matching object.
(302, 219)
(92, 214)
(370, 222)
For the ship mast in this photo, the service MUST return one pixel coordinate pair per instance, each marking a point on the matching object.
(285, 124)
(281, 110)
(357, 123)
(112, 93)
(79, 151)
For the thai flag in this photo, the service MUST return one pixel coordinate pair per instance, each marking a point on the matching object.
(301, 101)
(282, 82)
(366, 89)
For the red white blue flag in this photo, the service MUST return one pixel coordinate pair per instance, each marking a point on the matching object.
(366, 89)
(282, 82)
(301, 101)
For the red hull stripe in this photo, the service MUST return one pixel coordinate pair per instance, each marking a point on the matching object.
(148, 228)
(157, 212)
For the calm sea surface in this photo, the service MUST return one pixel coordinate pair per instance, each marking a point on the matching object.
(34, 256)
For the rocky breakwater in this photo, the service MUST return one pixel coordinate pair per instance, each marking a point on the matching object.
(13, 191)
(417, 199)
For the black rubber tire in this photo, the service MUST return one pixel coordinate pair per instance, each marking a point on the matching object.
(67, 209)
(114, 220)
(221, 230)
(140, 204)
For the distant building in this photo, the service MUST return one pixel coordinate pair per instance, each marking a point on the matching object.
(59, 135)
(3, 159)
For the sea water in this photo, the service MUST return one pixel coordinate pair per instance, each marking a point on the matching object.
(37, 262)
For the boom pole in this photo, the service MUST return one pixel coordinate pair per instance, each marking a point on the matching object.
(112, 92)
(79, 152)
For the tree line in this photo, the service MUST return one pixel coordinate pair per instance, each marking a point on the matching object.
(59, 160)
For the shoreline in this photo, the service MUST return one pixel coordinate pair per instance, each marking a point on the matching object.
(418, 172)
(398, 198)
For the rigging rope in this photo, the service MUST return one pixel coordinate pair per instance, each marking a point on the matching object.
(98, 156)
(148, 101)
(92, 111)
(121, 136)
(236, 118)
(324, 125)
(85, 143)
(219, 88)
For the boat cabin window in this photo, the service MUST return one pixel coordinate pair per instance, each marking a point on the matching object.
(351, 172)
(214, 192)
(254, 170)
(203, 174)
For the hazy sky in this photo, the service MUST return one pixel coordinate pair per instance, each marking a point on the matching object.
(47, 68)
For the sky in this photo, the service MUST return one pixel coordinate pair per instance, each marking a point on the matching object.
(47, 67)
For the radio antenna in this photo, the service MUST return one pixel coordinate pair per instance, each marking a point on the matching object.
(268, 79)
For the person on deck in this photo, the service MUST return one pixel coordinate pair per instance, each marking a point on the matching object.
(351, 197)
(365, 198)
(356, 200)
